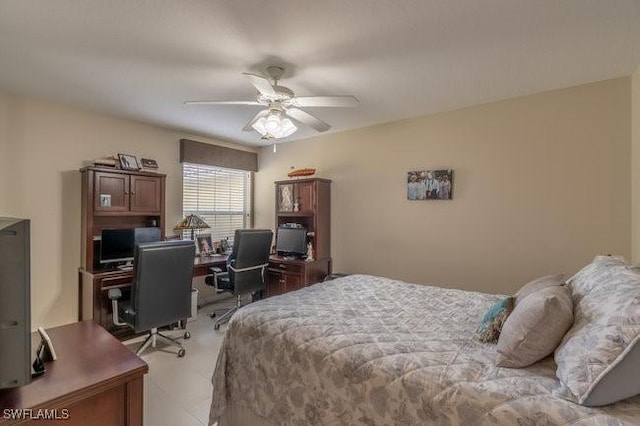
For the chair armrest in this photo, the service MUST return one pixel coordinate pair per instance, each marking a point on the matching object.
(218, 276)
(115, 294)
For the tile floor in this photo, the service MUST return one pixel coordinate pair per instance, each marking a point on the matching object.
(177, 391)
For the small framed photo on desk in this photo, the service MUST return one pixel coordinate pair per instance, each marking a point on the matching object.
(204, 245)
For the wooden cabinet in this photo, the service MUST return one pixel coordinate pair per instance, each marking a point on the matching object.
(284, 276)
(115, 192)
(288, 275)
(117, 199)
(305, 193)
(306, 202)
(146, 194)
(296, 197)
(111, 192)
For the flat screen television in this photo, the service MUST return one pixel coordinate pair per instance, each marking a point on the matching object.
(118, 245)
(15, 303)
(291, 241)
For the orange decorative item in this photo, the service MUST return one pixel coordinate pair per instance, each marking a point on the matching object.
(301, 172)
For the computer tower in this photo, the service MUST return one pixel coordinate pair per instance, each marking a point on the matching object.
(15, 303)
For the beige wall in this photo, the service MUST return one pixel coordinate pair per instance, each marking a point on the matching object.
(542, 183)
(635, 164)
(46, 145)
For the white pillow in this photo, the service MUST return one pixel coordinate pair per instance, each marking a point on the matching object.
(598, 358)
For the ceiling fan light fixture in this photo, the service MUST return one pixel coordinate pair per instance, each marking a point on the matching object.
(287, 128)
(274, 126)
(272, 123)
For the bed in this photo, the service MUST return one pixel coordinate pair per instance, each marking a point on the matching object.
(374, 351)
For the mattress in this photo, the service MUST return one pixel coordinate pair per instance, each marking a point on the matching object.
(374, 351)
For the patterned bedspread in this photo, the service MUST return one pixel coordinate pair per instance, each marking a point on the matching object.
(373, 351)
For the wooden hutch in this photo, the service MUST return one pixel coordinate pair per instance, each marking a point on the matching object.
(113, 198)
(306, 202)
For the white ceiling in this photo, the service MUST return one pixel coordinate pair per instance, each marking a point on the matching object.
(402, 58)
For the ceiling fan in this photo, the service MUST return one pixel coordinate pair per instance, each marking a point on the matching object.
(282, 104)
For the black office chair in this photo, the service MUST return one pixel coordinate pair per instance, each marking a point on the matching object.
(161, 292)
(246, 268)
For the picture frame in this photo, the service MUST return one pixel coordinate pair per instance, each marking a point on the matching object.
(204, 245)
(128, 162)
(285, 198)
(148, 163)
(430, 184)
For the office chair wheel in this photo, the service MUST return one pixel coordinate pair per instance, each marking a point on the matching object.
(216, 326)
(212, 315)
(187, 335)
(181, 352)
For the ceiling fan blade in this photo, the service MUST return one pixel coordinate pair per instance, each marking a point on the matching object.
(248, 127)
(222, 103)
(262, 84)
(308, 119)
(325, 101)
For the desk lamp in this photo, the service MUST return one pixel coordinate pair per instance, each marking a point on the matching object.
(191, 222)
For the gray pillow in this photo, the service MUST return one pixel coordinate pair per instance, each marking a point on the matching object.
(539, 284)
(599, 356)
(535, 327)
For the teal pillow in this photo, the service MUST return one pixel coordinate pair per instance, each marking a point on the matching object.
(492, 321)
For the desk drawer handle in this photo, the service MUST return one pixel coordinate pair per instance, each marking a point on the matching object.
(122, 277)
(282, 265)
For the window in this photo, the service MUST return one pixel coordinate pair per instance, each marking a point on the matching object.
(221, 197)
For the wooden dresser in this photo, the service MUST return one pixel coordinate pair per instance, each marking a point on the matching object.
(95, 381)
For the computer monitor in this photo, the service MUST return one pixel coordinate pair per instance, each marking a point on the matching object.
(117, 245)
(147, 235)
(291, 241)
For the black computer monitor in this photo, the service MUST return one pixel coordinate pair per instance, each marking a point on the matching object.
(147, 235)
(291, 241)
(117, 245)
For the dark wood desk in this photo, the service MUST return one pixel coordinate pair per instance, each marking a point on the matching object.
(202, 264)
(292, 274)
(96, 379)
(94, 286)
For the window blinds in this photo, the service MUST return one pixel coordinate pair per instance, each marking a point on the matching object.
(220, 196)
